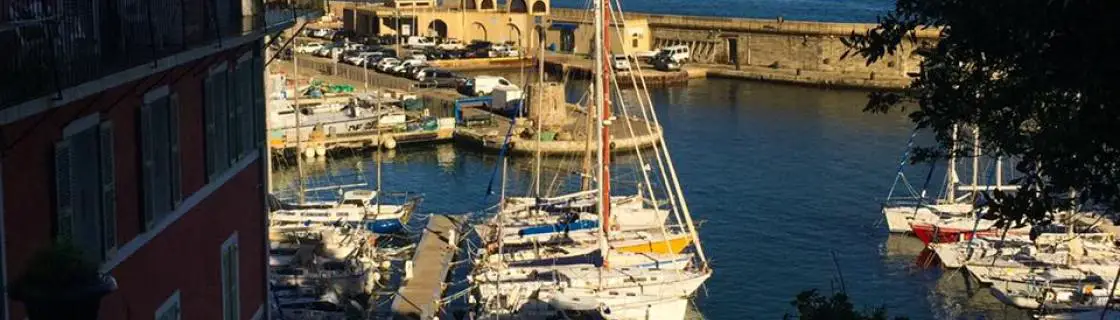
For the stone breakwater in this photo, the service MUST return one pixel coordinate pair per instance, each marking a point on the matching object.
(801, 52)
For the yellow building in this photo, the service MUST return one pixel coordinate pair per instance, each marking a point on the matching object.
(516, 21)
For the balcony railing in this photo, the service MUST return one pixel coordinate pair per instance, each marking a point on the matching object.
(51, 45)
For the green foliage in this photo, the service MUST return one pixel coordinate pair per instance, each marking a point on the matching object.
(55, 269)
(811, 305)
(1039, 78)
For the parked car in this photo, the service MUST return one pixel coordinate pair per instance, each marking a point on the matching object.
(485, 85)
(621, 62)
(401, 68)
(320, 33)
(675, 53)
(452, 54)
(387, 63)
(503, 50)
(419, 42)
(342, 35)
(666, 64)
(417, 73)
(359, 59)
(309, 47)
(436, 78)
(451, 44)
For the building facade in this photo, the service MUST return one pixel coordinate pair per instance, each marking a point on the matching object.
(134, 130)
(514, 21)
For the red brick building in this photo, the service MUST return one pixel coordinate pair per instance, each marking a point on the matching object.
(134, 128)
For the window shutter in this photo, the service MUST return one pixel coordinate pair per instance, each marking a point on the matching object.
(148, 175)
(233, 110)
(63, 191)
(235, 283)
(108, 189)
(210, 143)
(176, 160)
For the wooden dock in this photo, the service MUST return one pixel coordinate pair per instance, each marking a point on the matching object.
(419, 297)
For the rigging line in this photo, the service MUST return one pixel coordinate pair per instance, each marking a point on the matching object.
(929, 176)
(502, 153)
(641, 160)
(902, 162)
(651, 121)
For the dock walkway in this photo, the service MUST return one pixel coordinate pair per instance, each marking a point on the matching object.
(420, 296)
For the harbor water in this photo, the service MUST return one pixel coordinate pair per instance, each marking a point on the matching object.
(786, 181)
(811, 10)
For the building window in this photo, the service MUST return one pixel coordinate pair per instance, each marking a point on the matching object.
(159, 137)
(231, 301)
(216, 93)
(170, 309)
(85, 187)
(241, 135)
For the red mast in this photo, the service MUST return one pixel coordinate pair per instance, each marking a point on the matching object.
(606, 116)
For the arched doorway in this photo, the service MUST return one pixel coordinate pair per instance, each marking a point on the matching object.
(514, 35)
(478, 32)
(470, 4)
(487, 4)
(518, 6)
(437, 28)
(540, 7)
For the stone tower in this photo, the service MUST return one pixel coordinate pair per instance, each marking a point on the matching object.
(546, 104)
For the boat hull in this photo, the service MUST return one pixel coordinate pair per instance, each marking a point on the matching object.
(676, 244)
(385, 226)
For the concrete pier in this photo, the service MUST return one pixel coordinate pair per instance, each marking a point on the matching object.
(419, 297)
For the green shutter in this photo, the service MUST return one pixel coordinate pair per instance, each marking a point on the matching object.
(64, 191)
(108, 189)
(148, 164)
(176, 160)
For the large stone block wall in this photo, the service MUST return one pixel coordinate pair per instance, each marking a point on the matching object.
(798, 45)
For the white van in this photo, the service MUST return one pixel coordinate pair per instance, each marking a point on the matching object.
(484, 85)
(676, 53)
(420, 42)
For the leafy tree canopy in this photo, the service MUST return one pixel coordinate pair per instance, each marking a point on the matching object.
(1040, 79)
(811, 305)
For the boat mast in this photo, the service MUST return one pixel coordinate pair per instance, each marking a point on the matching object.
(950, 192)
(299, 137)
(600, 92)
(381, 140)
(999, 172)
(975, 162)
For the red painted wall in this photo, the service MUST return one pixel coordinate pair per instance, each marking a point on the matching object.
(186, 255)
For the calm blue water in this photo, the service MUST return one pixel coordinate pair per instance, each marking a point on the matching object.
(782, 178)
(814, 10)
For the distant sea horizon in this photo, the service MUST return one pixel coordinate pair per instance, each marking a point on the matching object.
(807, 10)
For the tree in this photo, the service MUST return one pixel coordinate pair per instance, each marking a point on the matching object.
(1040, 79)
(811, 305)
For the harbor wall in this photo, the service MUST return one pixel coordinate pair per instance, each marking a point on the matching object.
(777, 44)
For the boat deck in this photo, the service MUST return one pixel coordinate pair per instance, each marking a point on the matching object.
(419, 297)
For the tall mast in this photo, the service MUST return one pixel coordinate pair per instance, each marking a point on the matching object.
(950, 192)
(975, 162)
(381, 140)
(299, 136)
(600, 90)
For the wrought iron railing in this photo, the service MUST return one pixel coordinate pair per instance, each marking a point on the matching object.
(51, 45)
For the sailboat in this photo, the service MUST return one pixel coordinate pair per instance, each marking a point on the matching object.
(357, 207)
(603, 289)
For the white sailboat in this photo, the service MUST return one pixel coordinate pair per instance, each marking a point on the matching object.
(664, 296)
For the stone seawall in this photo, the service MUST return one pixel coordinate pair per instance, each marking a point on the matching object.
(783, 46)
